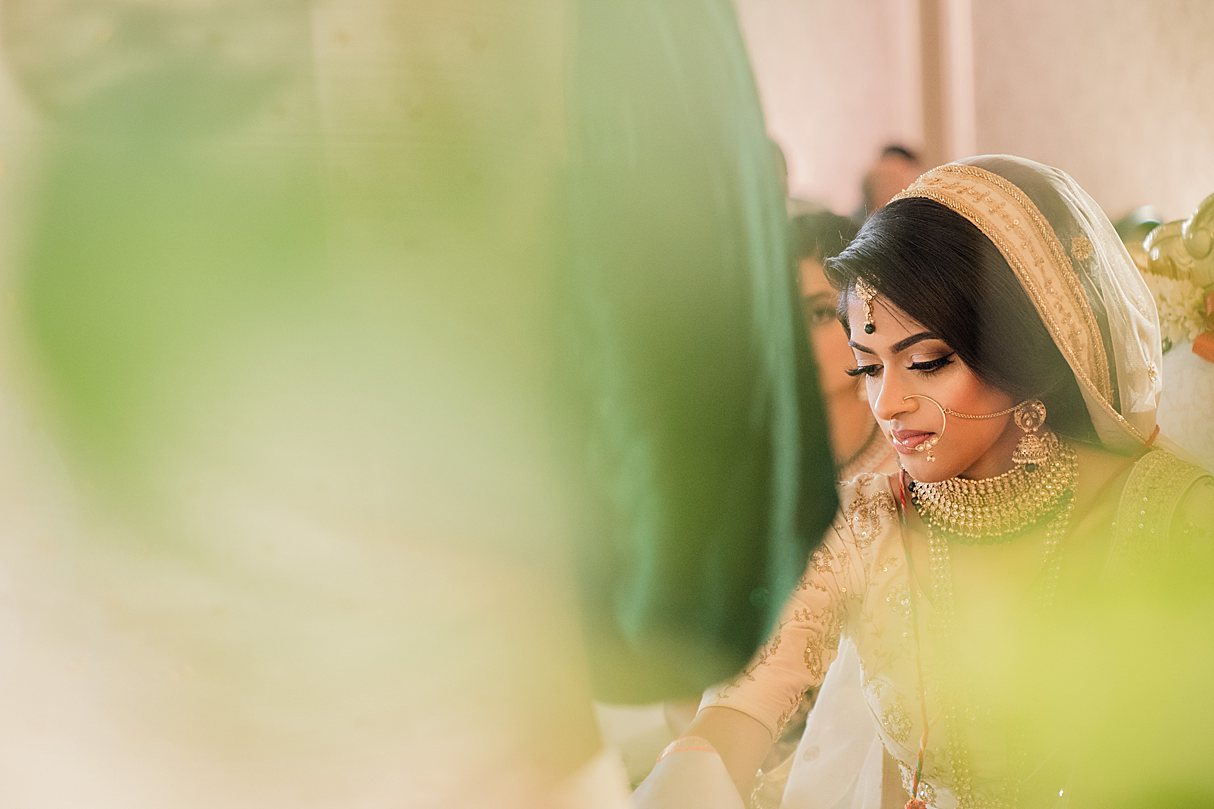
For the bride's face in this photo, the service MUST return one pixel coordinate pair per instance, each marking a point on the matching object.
(901, 358)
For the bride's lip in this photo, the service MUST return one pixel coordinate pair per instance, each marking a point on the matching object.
(907, 440)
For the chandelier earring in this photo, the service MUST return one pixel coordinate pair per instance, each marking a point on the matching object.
(1038, 444)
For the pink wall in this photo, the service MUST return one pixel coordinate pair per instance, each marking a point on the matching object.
(1116, 92)
(1120, 94)
(838, 80)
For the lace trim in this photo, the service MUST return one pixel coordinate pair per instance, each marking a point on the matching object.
(1151, 496)
(1066, 312)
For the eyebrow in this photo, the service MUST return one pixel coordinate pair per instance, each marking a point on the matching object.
(899, 346)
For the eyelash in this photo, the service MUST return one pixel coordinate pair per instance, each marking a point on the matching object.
(926, 368)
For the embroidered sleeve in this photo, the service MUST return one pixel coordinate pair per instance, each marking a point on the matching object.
(1193, 522)
(1164, 513)
(770, 689)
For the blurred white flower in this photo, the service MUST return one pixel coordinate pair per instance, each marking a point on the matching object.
(1180, 304)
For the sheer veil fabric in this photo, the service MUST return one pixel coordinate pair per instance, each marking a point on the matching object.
(1079, 276)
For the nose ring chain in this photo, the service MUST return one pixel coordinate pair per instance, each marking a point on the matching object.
(928, 444)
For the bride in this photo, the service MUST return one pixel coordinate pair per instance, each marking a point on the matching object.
(1010, 353)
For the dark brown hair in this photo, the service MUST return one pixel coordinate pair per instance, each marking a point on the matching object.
(938, 267)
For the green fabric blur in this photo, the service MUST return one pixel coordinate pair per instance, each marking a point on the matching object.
(710, 477)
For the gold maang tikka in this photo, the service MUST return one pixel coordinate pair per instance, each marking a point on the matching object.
(867, 295)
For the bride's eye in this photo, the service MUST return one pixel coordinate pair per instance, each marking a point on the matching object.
(863, 370)
(932, 366)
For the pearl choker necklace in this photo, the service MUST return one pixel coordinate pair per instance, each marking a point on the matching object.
(998, 509)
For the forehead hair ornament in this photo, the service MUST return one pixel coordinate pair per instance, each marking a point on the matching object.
(867, 295)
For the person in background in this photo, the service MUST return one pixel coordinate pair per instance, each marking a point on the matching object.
(832, 718)
(895, 169)
(857, 446)
(854, 435)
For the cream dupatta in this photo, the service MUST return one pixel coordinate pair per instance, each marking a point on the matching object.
(1079, 276)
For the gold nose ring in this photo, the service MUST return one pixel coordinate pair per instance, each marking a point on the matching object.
(928, 444)
(945, 412)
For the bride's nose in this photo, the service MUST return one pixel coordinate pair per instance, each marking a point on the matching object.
(891, 400)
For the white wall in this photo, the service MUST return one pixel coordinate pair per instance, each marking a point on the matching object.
(838, 80)
(1119, 93)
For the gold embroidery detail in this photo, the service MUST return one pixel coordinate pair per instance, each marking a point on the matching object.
(1081, 248)
(747, 674)
(863, 479)
(899, 602)
(1155, 487)
(790, 711)
(962, 187)
(896, 722)
(927, 792)
(828, 621)
(864, 515)
(768, 650)
(821, 559)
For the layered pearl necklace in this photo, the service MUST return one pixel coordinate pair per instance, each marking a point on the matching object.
(985, 512)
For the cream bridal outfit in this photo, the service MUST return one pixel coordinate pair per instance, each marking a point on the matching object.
(969, 706)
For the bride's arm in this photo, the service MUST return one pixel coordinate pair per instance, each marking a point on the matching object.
(741, 741)
(742, 719)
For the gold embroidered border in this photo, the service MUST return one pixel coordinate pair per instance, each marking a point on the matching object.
(1157, 483)
(1068, 315)
(867, 513)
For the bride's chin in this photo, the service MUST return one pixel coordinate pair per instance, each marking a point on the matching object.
(923, 471)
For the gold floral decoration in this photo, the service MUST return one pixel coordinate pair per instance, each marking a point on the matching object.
(1081, 248)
